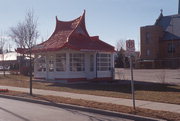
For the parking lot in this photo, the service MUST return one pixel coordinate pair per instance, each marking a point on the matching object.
(171, 76)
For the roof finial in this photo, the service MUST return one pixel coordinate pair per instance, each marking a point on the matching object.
(161, 12)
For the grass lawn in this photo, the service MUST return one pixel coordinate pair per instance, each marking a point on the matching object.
(144, 91)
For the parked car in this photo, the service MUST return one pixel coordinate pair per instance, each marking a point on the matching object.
(4, 68)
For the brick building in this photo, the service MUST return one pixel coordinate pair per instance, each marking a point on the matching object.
(160, 43)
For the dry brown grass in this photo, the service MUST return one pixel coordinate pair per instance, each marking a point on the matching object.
(151, 92)
(105, 106)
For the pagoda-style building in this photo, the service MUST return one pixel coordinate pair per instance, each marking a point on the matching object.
(71, 54)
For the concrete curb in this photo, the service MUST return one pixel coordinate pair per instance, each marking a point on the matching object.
(81, 108)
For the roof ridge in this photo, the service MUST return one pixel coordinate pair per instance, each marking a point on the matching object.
(81, 17)
(63, 21)
(172, 15)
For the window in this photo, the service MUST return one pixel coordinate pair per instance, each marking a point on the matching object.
(77, 62)
(61, 62)
(51, 63)
(91, 62)
(171, 48)
(103, 62)
(148, 37)
(148, 52)
(41, 63)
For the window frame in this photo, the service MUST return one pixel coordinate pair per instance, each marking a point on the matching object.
(103, 62)
(148, 52)
(61, 60)
(171, 48)
(77, 62)
(41, 63)
(91, 65)
(51, 63)
(148, 37)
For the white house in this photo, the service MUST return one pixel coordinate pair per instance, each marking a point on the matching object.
(10, 56)
(71, 54)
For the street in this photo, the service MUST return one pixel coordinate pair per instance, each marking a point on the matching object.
(13, 110)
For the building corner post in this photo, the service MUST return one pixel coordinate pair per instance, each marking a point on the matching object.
(179, 7)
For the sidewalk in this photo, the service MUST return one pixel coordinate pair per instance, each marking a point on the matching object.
(119, 101)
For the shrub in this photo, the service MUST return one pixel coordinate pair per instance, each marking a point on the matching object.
(25, 70)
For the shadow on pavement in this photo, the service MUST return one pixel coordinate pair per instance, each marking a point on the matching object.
(14, 114)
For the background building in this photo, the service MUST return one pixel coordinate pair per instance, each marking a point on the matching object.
(14, 62)
(8, 60)
(160, 43)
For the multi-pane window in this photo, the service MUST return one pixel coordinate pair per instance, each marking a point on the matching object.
(148, 52)
(148, 37)
(41, 63)
(171, 48)
(91, 63)
(51, 63)
(103, 62)
(61, 62)
(77, 62)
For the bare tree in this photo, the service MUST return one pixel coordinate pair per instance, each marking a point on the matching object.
(25, 35)
(120, 44)
(120, 47)
(161, 76)
(18, 35)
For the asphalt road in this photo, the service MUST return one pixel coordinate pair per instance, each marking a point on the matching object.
(14, 110)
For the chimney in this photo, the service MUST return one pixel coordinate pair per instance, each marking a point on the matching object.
(179, 7)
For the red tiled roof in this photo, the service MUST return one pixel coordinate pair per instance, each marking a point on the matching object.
(72, 34)
(89, 43)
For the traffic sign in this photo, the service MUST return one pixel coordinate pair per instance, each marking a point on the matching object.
(130, 50)
(130, 46)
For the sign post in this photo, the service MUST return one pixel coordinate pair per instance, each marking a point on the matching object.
(130, 48)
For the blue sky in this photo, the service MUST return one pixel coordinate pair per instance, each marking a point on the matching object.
(112, 20)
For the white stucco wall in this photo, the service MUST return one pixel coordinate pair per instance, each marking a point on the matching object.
(70, 74)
